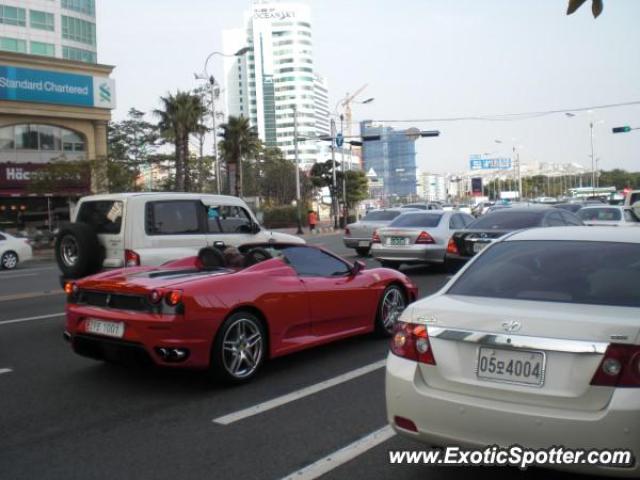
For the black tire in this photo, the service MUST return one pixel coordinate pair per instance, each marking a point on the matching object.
(363, 251)
(221, 365)
(78, 252)
(390, 264)
(9, 260)
(385, 325)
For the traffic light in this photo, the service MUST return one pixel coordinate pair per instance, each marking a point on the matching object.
(624, 129)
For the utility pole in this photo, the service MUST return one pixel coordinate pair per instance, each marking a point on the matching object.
(212, 82)
(345, 211)
(517, 155)
(297, 162)
(334, 189)
(593, 159)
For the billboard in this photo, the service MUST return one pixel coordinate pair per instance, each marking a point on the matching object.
(44, 86)
(476, 186)
(15, 179)
(481, 162)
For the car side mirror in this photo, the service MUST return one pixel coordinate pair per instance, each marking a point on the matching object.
(358, 266)
(255, 228)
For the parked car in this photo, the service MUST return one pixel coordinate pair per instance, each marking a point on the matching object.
(417, 237)
(570, 207)
(632, 202)
(229, 312)
(464, 244)
(133, 229)
(611, 215)
(358, 235)
(425, 206)
(535, 343)
(13, 250)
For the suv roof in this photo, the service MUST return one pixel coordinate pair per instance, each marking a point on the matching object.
(165, 195)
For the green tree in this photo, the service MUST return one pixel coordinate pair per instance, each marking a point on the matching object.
(357, 187)
(239, 140)
(596, 6)
(180, 116)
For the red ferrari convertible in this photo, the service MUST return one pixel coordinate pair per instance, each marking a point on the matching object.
(230, 312)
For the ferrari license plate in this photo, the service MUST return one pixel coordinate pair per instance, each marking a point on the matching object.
(108, 329)
(512, 366)
(397, 241)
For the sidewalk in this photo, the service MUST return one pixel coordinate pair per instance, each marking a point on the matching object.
(323, 228)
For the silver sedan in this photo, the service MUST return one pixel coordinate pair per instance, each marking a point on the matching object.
(611, 215)
(358, 235)
(417, 237)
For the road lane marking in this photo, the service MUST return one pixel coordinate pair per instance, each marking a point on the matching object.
(30, 295)
(5, 370)
(22, 275)
(31, 319)
(342, 456)
(298, 394)
(26, 270)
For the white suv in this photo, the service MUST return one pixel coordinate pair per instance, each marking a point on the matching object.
(131, 229)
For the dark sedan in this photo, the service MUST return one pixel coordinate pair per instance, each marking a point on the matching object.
(464, 244)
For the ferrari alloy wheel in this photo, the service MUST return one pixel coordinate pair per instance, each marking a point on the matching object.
(392, 305)
(240, 348)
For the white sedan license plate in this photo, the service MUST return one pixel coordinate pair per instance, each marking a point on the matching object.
(363, 243)
(479, 246)
(511, 366)
(109, 329)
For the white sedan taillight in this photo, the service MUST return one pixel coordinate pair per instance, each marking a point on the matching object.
(411, 341)
(620, 367)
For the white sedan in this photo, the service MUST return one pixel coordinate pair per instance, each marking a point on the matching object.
(536, 343)
(13, 250)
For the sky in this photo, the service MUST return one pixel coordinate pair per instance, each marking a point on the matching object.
(422, 59)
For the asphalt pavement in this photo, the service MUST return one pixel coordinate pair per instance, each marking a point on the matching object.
(67, 417)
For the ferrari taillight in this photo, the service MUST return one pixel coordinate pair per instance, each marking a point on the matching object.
(411, 341)
(424, 237)
(375, 238)
(173, 298)
(452, 247)
(131, 259)
(620, 367)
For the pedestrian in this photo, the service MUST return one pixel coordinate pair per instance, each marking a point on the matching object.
(312, 218)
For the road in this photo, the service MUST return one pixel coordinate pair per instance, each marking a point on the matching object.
(64, 416)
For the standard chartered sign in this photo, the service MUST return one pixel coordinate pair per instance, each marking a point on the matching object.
(44, 86)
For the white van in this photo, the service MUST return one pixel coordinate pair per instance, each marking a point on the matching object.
(131, 229)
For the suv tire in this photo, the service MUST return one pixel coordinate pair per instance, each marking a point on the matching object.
(78, 252)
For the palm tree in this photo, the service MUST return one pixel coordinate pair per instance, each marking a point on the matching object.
(180, 116)
(239, 140)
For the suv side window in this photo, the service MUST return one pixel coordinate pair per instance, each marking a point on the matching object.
(228, 219)
(456, 222)
(105, 216)
(311, 262)
(555, 220)
(571, 219)
(174, 217)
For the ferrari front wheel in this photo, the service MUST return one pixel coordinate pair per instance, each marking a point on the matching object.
(239, 348)
(392, 304)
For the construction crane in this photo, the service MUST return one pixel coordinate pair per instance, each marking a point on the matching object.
(345, 103)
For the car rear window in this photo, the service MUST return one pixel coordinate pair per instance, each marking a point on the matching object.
(596, 273)
(383, 216)
(417, 220)
(600, 214)
(105, 216)
(507, 220)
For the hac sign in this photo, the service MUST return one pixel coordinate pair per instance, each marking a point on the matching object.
(43, 86)
(15, 178)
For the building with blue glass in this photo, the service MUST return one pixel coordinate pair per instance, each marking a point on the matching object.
(392, 157)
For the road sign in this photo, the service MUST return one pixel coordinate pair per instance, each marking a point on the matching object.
(480, 162)
(339, 140)
(624, 129)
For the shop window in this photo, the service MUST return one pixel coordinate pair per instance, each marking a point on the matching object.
(44, 138)
(26, 137)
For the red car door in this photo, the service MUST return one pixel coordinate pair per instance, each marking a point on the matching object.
(340, 302)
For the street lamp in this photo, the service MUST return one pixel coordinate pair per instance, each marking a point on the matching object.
(214, 94)
(516, 155)
(592, 123)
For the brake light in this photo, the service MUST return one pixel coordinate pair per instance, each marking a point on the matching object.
(174, 297)
(131, 259)
(452, 247)
(411, 341)
(347, 232)
(620, 367)
(375, 238)
(424, 237)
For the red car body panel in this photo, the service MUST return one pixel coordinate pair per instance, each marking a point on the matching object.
(299, 312)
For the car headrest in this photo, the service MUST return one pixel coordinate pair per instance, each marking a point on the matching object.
(210, 258)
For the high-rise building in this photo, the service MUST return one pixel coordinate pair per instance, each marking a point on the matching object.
(58, 28)
(392, 157)
(277, 77)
